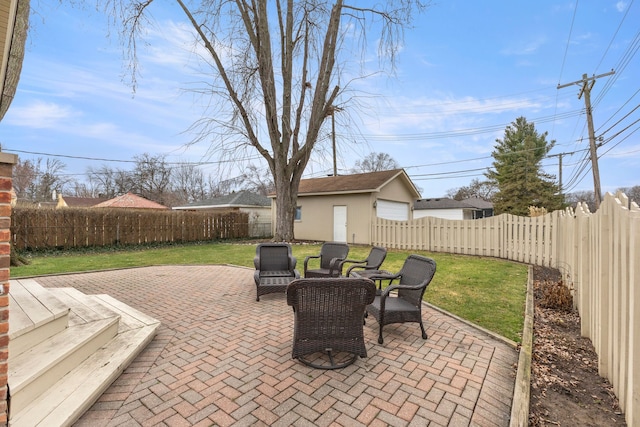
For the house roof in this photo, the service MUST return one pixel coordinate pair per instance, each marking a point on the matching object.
(130, 200)
(441, 203)
(356, 183)
(479, 203)
(239, 199)
(80, 202)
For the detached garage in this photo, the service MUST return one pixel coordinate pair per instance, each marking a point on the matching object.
(342, 208)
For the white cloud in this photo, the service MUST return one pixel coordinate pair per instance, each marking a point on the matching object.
(621, 6)
(39, 115)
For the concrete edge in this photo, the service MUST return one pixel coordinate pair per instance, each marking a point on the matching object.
(487, 332)
(522, 389)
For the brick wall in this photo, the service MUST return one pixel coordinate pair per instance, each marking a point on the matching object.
(6, 168)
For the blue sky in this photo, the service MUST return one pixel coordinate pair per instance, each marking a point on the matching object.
(465, 71)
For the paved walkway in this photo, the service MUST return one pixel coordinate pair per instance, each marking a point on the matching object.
(221, 358)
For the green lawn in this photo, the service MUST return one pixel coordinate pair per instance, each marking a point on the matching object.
(485, 291)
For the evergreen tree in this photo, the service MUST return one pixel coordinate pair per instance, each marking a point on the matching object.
(517, 173)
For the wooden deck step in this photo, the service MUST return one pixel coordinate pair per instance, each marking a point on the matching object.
(67, 400)
(36, 315)
(55, 381)
(34, 371)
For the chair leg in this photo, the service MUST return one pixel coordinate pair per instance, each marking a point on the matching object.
(424, 333)
(380, 340)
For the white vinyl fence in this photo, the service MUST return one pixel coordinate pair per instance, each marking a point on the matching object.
(597, 253)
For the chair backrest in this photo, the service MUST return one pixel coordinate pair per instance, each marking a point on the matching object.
(331, 250)
(376, 258)
(322, 304)
(275, 257)
(416, 271)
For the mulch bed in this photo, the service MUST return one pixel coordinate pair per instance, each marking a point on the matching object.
(566, 389)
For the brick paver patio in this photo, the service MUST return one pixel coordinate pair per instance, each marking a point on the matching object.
(221, 358)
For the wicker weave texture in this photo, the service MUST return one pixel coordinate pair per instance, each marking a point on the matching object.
(328, 314)
(275, 268)
(331, 254)
(414, 277)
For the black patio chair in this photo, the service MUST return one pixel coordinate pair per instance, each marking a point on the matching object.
(373, 261)
(331, 254)
(328, 312)
(275, 268)
(406, 305)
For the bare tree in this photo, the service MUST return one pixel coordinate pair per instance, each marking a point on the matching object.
(274, 66)
(225, 186)
(36, 180)
(108, 182)
(151, 178)
(189, 183)
(632, 193)
(25, 175)
(375, 162)
(258, 181)
(481, 189)
(587, 197)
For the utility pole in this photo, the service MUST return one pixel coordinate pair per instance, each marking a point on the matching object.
(559, 156)
(333, 137)
(587, 84)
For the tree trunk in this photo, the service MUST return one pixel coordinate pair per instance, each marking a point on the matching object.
(16, 56)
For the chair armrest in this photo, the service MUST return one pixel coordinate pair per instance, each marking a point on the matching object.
(390, 288)
(256, 262)
(335, 265)
(307, 258)
(361, 264)
(292, 262)
(355, 261)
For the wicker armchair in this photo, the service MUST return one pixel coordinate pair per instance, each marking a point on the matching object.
(373, 261)
(406, 306)
(328, 328)
(275, 268)
(331, 254)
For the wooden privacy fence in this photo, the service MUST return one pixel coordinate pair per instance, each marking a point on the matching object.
(597, 253)
(33, 228)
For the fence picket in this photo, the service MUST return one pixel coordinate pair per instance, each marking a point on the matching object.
(33, 228)
(597, 253)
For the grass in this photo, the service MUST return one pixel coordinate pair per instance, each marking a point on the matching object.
(486, 291)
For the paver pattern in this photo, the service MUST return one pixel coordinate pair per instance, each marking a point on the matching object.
(222, 358)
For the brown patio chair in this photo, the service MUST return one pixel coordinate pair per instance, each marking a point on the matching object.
(373, 261)
(406, 305)
(328, 327)
(331, 254)
(275, 268)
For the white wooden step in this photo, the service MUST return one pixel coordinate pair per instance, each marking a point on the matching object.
(37, 369)
(67, 400)
(35, 315)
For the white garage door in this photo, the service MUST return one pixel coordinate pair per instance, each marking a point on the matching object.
(397, 211)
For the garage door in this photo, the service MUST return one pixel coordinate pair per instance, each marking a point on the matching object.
(397, 211)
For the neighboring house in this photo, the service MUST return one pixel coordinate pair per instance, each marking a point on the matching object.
(484, 208)
(130, 201)
(78, 202)
(342, 208)
(257, 206)
(452, 209)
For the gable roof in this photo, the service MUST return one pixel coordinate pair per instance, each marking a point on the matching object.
(357, 183)
(479, 203)
(239, 199)
(130, 200)
(440, 203)
(79, 202)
